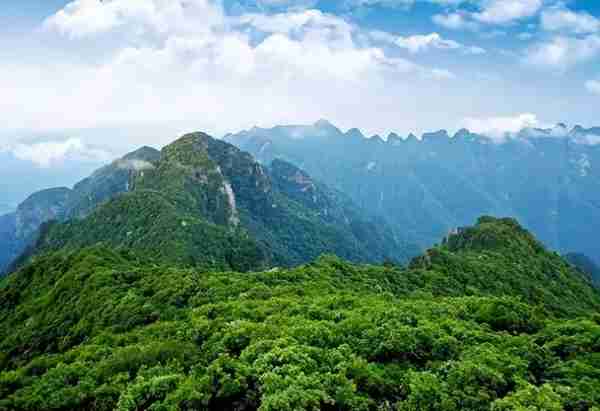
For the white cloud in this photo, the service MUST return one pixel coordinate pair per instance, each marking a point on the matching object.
(506, 11)
(442, 74)
(425, 42)
(455, 21)
(385, 3)
(563, 19)
(285, 4)
(137, 165)
(498, 127)
(403, 3)
(490, 12)
(563, 52)
(47, 153)
(83, 18)
(216, 72)
(593, 86)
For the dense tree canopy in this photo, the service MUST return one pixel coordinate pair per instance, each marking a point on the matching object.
(96, 329)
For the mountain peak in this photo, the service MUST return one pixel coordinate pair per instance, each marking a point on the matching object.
(491, 233)
(322, 123)
(355, 133)
(436, 136)
(376, 139)
(194, 138)
(394, 139)
(144, 153)
(190, 149)
(412, 138)
(462, 133)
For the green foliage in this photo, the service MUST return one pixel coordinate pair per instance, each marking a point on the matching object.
(204, 203)
(96, 329)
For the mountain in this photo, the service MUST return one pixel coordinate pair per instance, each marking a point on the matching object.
(204, 202)
(18, 230)
(549, 179)
(500, 257)
(21, 177)
(488, 319)
(585, 265)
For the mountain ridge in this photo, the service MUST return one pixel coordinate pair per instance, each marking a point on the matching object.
(546, 178)
(200, 189)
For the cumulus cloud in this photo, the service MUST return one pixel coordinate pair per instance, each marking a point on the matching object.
(187, 61)
(506, 11)
(83, 18)
(499, 127)
(563, 52)
(47, 153)
(425, 42)
(490, 12)
(402, 3)
(562, 19)
(284, 4)
(385, 3)
(593, 86)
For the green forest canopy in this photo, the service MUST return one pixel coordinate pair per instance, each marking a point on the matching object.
(487, 320)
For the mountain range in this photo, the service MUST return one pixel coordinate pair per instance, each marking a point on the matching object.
(549, 179)
(197, 278)
(200, 201)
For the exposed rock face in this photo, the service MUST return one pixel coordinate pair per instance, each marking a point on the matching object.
(295, 182)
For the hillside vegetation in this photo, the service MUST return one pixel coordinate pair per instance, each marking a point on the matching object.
(488, 320)
(205, 203)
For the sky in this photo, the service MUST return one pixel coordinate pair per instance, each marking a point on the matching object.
(85, 79)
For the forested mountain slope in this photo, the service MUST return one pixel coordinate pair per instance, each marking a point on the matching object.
(203, 202)
(549, 179)
(464, 328)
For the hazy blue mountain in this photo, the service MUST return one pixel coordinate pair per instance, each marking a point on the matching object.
(586, 265)
(547, 178)
(18, 230)
(20, 178)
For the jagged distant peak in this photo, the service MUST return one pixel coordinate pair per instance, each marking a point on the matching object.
(436, 135)
(577, 129)
(322, 123)
(394, 139)
(325, 129)
(463, 132)
(376, 139)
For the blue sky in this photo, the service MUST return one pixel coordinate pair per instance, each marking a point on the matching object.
(154, 68)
